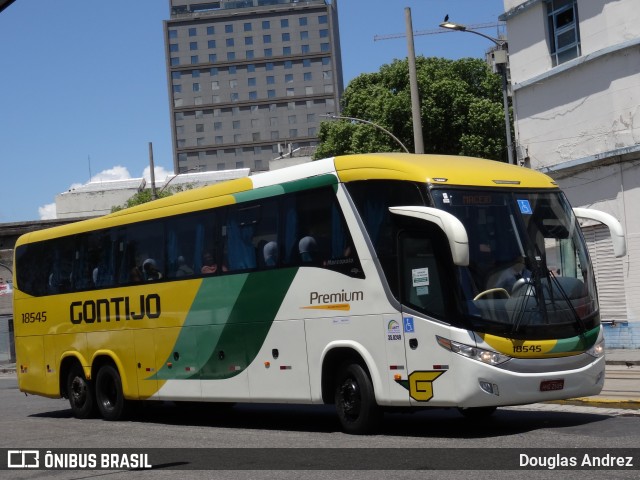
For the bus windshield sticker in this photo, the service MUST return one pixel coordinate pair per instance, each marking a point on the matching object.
(420, 277)
(525, 207)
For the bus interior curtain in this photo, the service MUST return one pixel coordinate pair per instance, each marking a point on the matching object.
(290, 229)
(198, 248)
(242, 253)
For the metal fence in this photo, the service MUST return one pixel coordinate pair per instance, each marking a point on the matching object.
(7, 347)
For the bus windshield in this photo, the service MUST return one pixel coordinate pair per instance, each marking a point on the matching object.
(528, 274)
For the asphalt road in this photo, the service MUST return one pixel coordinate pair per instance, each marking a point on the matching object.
(36, 422)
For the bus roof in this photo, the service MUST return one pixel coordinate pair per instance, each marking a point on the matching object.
(433, 169)
(439, 170)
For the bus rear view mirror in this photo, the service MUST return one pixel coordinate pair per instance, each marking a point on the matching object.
(449, 224)
(615, 228)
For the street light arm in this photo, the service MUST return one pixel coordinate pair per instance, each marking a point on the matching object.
(461, 28)
(340, 117)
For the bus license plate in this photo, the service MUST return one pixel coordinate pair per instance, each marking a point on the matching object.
(551, 385)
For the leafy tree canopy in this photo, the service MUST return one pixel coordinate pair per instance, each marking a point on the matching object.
(461, 110)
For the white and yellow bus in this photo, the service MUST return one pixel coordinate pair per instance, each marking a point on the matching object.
(365, 281)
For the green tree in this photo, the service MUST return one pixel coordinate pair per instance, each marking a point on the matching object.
(461, 110)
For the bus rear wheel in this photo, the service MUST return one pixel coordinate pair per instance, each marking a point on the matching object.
(355, 400)
(109, 394)
(80, 393)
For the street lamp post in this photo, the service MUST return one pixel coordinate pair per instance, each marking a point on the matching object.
(340, 117)
(502, 46)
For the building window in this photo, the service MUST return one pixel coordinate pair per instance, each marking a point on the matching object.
(233, 83)
(324, 47)
(286, 51)
(564, 35)
(199, 127)
(304, 35)
(322, 19)
(228, 28)
(213, 58)
(251, 82)
(307, 76)
(305, 49)
(253, 95)
(251, 68)
(290, 92)
(250, 55)
(288, 64)
(248, 40)
(196, 87)
(247, 27)
(230, 42)
(271, 80)
(268, 52)
(231, 55)
(211, 30)
(284, 23)
(175, 75)
(193, 32)
(266, 39)
(211, 44)
(217, 126)
(324, 33)
(288, 78)
(175, 61)
(174, 47)
(195, 73)
(271, 93)
(193, 45)
(232, 70)
(306, 63)
(177, 89)
(286, 37)
(194, 59)
(268, 66)
(266, 24)
(213, 71)
(173, 34)
(302, 21)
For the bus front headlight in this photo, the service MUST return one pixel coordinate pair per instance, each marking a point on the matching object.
(597, 350)
(485, 356)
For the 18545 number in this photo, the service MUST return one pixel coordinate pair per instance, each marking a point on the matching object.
(34, 317)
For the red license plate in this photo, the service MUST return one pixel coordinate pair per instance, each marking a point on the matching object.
(551, 385)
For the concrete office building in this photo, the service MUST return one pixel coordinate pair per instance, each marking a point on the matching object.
(575, 72)
(249, 80)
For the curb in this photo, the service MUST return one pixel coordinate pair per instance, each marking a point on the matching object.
(621, 403)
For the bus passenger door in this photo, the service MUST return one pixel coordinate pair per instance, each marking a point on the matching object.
(423, 290)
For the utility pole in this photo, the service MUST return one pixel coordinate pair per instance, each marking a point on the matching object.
(154, 194)
(413, 82)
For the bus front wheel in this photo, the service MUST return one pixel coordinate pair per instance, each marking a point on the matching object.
(109, 395)
(80, 393)
(355, 400)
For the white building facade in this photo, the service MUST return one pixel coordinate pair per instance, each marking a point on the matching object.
(575, 76)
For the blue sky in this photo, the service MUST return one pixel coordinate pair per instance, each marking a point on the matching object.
(83, 88)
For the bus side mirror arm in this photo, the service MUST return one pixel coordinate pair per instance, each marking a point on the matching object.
(449, 224)
(615, 228)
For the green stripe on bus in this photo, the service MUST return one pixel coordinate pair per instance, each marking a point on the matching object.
(289, 187)
(227, 325)
(577, 343)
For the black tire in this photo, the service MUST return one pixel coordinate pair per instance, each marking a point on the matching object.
(109, 396)
(80, 393)
(477, 413)
(355, 400)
